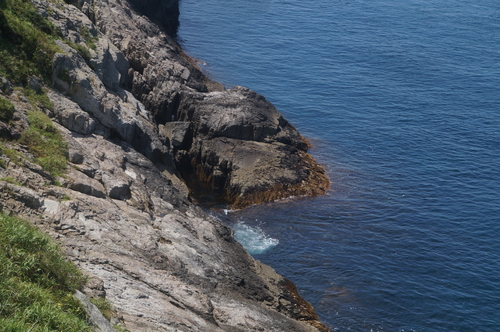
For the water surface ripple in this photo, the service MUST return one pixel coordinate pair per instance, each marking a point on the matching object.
(401, 101)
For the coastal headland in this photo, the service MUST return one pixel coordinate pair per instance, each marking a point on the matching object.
(147, 135)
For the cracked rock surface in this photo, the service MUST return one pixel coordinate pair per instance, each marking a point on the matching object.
(146, 132)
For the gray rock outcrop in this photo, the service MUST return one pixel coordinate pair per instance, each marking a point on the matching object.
(146, 133)
(173, 89)
(242, 151)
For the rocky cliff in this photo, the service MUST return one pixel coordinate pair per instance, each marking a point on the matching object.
(146, 134)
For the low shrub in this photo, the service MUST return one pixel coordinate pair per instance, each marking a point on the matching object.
(88, 37)
(6, 109)
(46, 143)
(104, 306)
(82, 50)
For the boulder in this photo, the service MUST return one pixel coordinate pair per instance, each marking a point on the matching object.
(177, 132)
(5, 86)
(237, 113)
(110, 64)
(243, 151)
(86, 185)
(117, 185)
(70, 115)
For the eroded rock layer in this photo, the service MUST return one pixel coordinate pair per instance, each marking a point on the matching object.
(255, 154)
(140, 122)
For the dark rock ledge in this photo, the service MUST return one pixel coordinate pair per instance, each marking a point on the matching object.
(147, 133)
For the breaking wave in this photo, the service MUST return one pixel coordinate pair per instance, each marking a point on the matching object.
(253, 239)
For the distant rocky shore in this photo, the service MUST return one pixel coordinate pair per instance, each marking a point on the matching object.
(148, 134)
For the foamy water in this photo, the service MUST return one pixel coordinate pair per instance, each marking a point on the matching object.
(253, 238)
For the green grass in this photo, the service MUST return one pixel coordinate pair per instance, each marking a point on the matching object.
(26, 42)
(36, 282)
(104, 306)
(38, 100)
(6, 109)
(46, 143)
(11, 180)
(12, 154)
(120, 328)
(82, 50)
(65, 198)
(27, 48)
(88, 37)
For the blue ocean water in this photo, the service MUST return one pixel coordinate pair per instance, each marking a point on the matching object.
(401, 100)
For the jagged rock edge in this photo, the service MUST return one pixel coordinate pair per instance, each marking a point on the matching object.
(53, 210)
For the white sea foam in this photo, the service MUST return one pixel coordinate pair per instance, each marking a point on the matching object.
(253, 238)
(228, 211)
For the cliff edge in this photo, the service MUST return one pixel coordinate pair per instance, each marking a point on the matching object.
(146, 133)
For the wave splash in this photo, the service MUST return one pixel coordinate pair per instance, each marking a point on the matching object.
(253, 239)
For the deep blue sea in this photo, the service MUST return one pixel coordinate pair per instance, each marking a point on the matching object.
(401, 100)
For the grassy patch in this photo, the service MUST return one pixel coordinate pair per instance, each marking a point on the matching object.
(36, 282)
(38, 100)
(64, 75)
(11, 180)
(6, 109)
(26, 42)
(88, 37)
(120, 328)
(65, 198)
(12, 154)
(82, 50)
(104, 306)
(46, 143)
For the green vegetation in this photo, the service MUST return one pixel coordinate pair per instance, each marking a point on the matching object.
(36, 282)
(26, 42)
(11, 180)
(65, 198)
(6, 109)
(46, 143)
(104, 306)
(38, 100)
(89, 38)
(120, 328)
(82, 50)
(12, 154)
(64, 75)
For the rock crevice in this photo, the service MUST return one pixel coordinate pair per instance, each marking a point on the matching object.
(147, 133)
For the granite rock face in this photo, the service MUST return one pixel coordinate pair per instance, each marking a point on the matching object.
(146, 133)
(242, 151)
(173, 89)
(163, 263)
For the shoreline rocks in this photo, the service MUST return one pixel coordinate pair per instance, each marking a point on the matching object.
(172, 89)
(147, 133)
